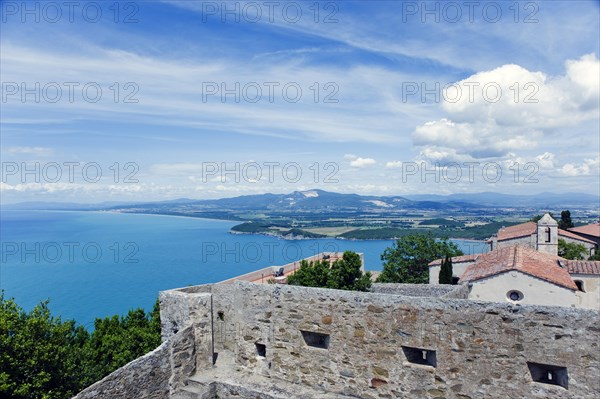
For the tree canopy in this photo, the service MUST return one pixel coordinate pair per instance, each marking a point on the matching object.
(44, 357)
(571, 250)
(406, 261)
(565, 221)
(342, 274)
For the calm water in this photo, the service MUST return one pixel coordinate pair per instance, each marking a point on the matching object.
(98, 264)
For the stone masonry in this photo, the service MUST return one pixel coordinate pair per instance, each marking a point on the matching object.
(246, 340)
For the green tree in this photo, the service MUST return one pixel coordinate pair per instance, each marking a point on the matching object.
(446, 271)
(118, 340)
(311, 274)
(565, 221)
(43, 357)
(571, 250)
(40, 356)
(596, 256)
(406, 261)
(342, 274)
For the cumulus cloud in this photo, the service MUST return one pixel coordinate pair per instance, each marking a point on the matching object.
(587, 167)
(494, 113)
(393, 165)
(359, 162)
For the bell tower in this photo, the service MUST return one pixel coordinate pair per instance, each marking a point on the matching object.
(547, 235)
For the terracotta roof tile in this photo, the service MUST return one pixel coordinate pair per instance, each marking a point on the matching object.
(590, 229)
(574, 236)
(523, 259)
(530, 228)
(518, 230)
(582, 266)
(456, 259)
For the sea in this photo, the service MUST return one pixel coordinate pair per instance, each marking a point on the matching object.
(98, 264)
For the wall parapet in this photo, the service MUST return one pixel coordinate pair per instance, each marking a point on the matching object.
(416, 290)
(369, 345)
(153, 376)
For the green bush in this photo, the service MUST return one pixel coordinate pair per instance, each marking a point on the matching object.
(43, 357)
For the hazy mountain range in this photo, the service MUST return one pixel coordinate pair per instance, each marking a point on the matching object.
(319, 200)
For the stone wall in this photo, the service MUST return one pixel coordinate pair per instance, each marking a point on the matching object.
(419, 290)
(481, 350)
(460, 291)
(530, 241)
(154, 376)
(365, 345)
(180, 309)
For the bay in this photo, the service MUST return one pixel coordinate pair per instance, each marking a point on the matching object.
(97, 264)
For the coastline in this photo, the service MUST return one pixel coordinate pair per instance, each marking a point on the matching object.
(282, 237)
(276, 235)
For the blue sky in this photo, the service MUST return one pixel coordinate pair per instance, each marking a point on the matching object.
(162, 117)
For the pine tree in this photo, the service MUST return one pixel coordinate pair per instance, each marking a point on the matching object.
(565, 221)
(446, 271)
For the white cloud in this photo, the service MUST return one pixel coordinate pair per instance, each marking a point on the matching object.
(393, 165)
(36, 151)
(509, 109)
(171, 93)
(545, 160)
(514, 96)
(587, 167)
(359, 162)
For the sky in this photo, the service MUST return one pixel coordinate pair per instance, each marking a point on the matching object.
(157, 100)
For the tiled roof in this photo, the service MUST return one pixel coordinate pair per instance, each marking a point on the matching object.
(590, 229)
(582, 266)
(456, 259)
(574, 236)
(518, 230)
(523, 259)
(530, 228)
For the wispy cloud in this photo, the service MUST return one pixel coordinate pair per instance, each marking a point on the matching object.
(194, 81)
(35, 151)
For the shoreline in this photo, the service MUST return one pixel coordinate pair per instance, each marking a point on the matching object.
(164, 215)
(226, 220)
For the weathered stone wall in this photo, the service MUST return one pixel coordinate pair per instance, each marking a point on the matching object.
(530, 241)
(419, 290)
(481, 349)
(180, 309)
(460, 291)
(153, 376)
(146, 377)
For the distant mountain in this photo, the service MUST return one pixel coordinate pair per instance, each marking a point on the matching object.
(303, 201)
(508, 200)
(325, 201)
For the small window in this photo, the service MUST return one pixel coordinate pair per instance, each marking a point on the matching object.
(579, 285)
(549, 374)
(221, 316)
(316, 340)
(514, 296)
(425, 357)
(547, 234)
(261, 350)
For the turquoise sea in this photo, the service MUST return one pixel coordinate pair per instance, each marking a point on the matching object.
(96, 264)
